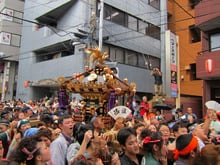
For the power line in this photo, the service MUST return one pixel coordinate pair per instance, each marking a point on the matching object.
(142, 36)
(69, 32)
(168, 23)
(130, 22)
(183, 9)
(192, 17)
(116, 39)
(41, 24)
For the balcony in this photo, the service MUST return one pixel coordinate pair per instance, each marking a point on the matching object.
(57, 10)
(207, 15)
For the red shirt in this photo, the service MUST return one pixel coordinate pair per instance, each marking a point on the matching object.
(144, 107)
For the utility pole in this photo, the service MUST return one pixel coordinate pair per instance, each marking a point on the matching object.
(101, 23)
(178, 99)
(7, 76)
(92, 30)
(163, 28)
(92, 22)
(5, 83)
(4, 76)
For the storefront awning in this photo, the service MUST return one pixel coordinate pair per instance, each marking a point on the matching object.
(44, 83)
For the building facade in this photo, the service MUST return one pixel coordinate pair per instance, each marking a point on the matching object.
(55, 33)
(207, 18)
(11, 19)
(181, 21)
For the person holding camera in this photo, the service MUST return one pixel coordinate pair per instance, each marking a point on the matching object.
(158, 81)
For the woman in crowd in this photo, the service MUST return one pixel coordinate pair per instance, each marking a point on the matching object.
(91, 147)
(30, 152)
(165, 131)
(154, 150)
(44, 135)
(139, 127)
(22, 126)
(75, 146)
(85, 137)
(152, 128)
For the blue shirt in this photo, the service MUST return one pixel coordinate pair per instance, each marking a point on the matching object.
(58, 149)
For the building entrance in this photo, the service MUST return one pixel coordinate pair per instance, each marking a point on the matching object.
(215, 94)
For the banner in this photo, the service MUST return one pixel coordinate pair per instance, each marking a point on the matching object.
(173, 66)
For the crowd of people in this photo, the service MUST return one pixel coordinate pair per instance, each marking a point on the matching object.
(39, 133)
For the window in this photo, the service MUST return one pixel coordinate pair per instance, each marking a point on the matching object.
(130, 57)
(170, 21)
(215, 94)
(7, 14)
(45, 56)
(153, 31)
(193, 3)
(149, 29)
(11, 15)
(124, 19)
(193, 71)
(214, 42)
(142, 26)
(148, 61)
(105, 48)
(10, 39)
(195, 34)
(116, 54)
(18, 16)
(112, 54)
(142, 60)
(132, 23)
(119, 55)
(115, 16)
(107, 12)
(54, 51)
(155, 62)
(15, 40)
(118, 17)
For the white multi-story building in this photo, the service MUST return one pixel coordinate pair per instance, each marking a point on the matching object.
(52, 43)
(11, 16)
